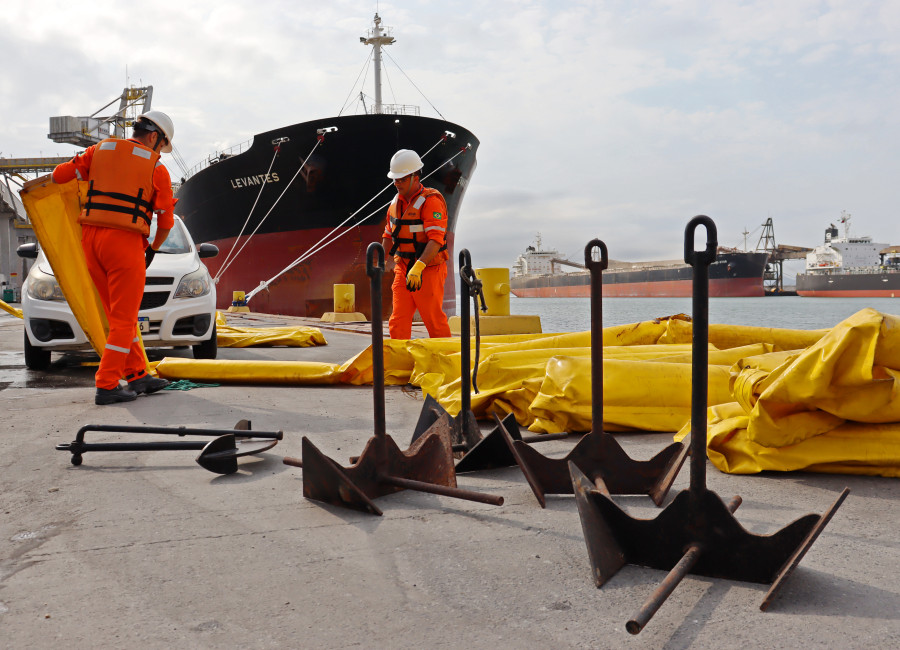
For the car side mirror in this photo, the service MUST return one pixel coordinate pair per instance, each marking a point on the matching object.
(29, 250)
(207, 250)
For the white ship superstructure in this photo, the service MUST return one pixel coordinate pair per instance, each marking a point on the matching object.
(535, 260)
(844, 252)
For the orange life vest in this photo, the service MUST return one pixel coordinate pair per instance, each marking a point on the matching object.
(409, 232)
(121, 186)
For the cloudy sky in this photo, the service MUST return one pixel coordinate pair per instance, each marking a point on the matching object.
(617, 120)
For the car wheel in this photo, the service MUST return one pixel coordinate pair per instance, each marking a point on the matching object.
(207, 349)
(36, 358)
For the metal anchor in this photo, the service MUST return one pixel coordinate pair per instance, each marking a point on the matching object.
(219, 455)
(383, 468)
(598, 454)
(697, 532)
(490, 451)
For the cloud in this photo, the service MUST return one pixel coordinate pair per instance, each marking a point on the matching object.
(617, 120)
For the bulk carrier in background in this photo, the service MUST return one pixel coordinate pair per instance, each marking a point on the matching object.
(294, 213)
(538, 273)
(850, 267)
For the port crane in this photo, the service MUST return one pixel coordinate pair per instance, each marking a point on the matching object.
(773, 276)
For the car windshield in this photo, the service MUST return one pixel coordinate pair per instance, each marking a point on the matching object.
(176, 242)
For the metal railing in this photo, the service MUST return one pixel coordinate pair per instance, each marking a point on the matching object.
(218, 157)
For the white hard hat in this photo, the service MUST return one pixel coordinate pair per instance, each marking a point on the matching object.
(163, 123)
(404, 163)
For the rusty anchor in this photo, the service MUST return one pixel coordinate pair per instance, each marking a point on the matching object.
(490, 451)
(383, 468)
(697, 532)
(597, 454)
(219, 455)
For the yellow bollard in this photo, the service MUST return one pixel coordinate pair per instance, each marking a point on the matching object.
(344, 305)
(497, 319)
(238, 301)
(344, 298)
(495, 283)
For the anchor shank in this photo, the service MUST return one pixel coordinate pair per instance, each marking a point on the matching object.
(375, 271)
(80, 448)
(672, 580)
(465, 352)
(700, 261)
(177, 431)
(443, 490)
(596, 338)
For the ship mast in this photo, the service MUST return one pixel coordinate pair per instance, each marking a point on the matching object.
(377, 36)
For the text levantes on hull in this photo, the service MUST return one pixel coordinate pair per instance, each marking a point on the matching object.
(259, 179)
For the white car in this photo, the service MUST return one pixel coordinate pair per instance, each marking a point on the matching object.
(178, 308)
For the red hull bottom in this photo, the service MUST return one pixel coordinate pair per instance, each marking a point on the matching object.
(730, 288)
(887, 293)
(308, 288)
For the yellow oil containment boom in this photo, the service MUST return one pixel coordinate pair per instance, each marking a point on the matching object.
(53, 210)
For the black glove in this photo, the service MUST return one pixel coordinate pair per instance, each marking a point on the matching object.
(149, 254)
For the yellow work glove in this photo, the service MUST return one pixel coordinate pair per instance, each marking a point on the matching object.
(414, 277)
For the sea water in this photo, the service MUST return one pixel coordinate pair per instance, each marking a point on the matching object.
(791, 312)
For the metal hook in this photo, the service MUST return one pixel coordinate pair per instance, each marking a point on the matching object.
(589, 260)
(473, 282)
(374, 249)
(708, 256)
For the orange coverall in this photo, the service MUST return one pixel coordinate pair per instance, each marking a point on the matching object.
(115, 260)
(430, 297)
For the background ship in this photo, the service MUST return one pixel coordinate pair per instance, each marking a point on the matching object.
(735, 273)
(312, 196)
(849, 267)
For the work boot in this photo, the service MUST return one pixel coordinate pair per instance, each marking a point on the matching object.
(115, 395)
(146, 384)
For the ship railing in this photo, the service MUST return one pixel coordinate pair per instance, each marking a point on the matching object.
(219, 156)
(396, 109)
(857, 270)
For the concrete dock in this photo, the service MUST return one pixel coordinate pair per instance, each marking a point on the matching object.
(146, 549)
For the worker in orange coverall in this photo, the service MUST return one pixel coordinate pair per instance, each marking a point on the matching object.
(127, 184)
(415, 235)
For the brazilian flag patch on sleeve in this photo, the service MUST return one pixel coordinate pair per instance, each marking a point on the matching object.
(437, 215)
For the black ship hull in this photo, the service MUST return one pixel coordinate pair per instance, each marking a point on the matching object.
(877, 284)
(276, 209)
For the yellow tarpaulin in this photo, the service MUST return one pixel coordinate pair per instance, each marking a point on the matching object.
(227, 371)
(53, 210)
(834, 407)
(779, 399)
(229, 336)
(10, 309)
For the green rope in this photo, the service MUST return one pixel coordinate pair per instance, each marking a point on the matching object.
(187, 384)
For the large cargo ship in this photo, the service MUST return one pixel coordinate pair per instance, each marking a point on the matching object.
(294, 213)
(537, 274)
(850, 267)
